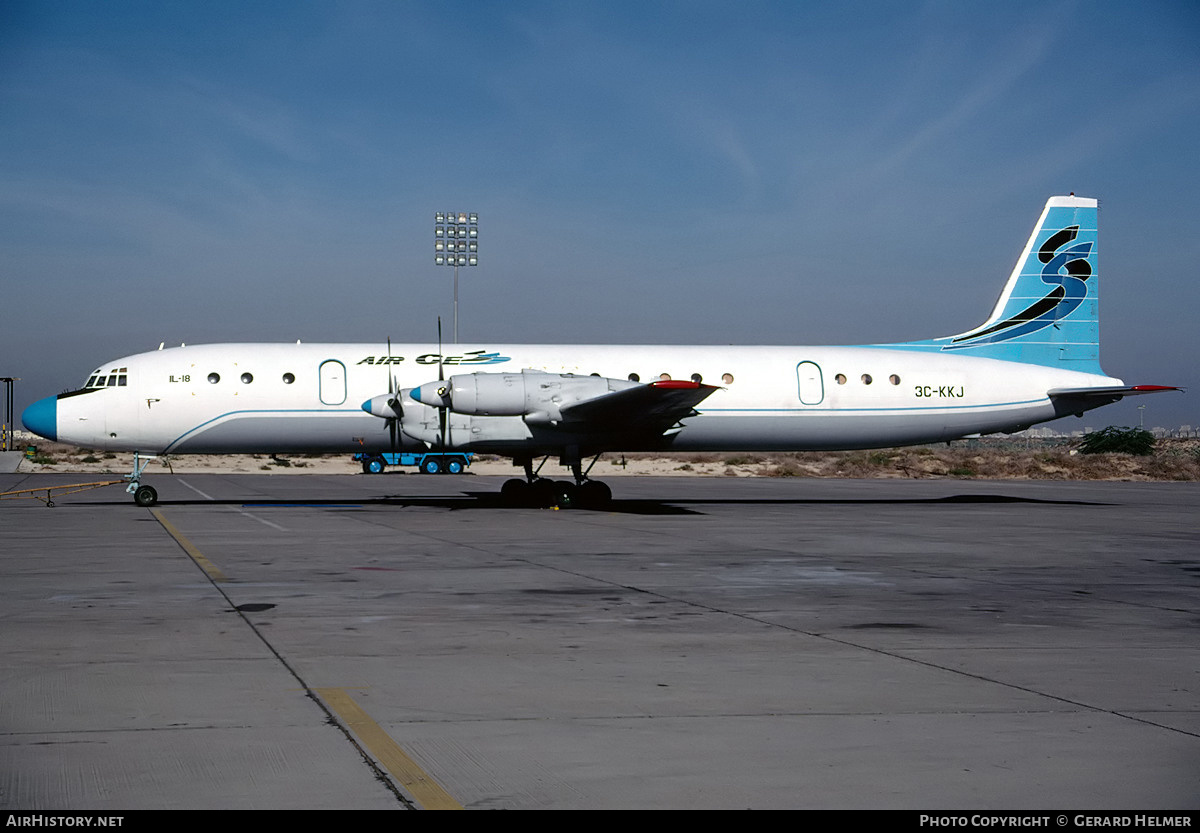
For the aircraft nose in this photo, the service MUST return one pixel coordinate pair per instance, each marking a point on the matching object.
(42, 418)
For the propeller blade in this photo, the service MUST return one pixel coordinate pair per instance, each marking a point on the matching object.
(391, 378)
(441, 377)
(393, 400)
(443, 413)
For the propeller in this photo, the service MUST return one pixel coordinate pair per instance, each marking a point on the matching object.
(443, 413)
(393, 401)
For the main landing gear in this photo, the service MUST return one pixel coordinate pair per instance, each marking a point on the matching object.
(543, 493)
(142, 495)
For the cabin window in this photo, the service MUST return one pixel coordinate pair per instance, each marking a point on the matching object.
(247, 378)
(288, 378)
(894, 379)
(697, 378)
(840, 378)
(727, 378)
(866, 378)
(213, 378)
(665, 377)
(633, 377)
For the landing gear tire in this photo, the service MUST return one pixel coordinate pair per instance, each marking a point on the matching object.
(593, 494)
(543, 493)
(145, 496)
(554, 494)
(566, 495)
(549, 494)
(515, 492)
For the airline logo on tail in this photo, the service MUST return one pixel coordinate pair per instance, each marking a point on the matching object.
(1065, 268)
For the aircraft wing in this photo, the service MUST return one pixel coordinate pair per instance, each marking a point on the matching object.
(652, 409)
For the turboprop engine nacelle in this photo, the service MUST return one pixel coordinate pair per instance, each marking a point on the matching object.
(527, 394)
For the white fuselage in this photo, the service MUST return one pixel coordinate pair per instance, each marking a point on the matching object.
(308, 397)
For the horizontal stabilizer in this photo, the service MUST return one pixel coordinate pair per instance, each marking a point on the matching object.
(1111, 394)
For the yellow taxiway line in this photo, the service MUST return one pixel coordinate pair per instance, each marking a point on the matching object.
(427, 792)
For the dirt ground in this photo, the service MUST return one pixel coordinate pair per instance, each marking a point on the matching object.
(986, 458)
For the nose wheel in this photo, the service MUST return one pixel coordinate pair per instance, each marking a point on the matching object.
(145, 496)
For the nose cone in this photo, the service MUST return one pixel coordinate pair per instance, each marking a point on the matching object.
(386, 406)
(436, 394)
(42, 418)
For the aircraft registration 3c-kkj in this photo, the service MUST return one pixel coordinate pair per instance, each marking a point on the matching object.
(1036, 358)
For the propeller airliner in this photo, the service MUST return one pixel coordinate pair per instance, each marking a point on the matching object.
(1035, 358)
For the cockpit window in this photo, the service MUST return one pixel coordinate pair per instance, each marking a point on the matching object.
(116, 377)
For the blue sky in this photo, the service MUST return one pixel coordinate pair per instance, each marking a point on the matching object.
(692, 172)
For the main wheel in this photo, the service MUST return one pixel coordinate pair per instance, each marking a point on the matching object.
(594, 495)
(566, 494)
(543, 493)
(145, 496)
(549, 494)
(515, 492)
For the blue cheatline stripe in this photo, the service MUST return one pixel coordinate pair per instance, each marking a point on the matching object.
(219, 417)
(899, 409)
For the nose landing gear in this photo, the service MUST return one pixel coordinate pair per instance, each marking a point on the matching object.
(142, 495)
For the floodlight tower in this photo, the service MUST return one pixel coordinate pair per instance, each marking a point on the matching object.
(7, 442)
(456, 243)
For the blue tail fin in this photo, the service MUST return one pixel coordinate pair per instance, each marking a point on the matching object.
(1048, 312)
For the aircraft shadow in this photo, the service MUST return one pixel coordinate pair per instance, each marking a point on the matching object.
(637, 506)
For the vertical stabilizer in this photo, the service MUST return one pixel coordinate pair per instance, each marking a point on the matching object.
(1048, 312)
